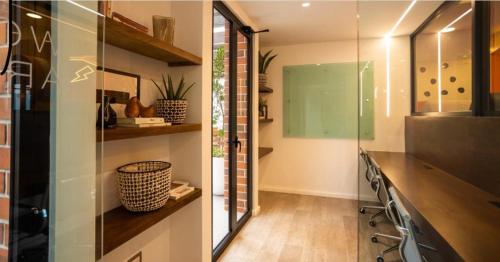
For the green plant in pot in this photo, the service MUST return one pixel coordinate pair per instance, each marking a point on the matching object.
(173, 106)
(264, 62)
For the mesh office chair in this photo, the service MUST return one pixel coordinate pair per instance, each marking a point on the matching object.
(374, 177)
(408, 246)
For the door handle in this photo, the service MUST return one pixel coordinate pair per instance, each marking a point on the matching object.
(237, 143)
(9, 38)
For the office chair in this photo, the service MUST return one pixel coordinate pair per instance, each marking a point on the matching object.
(408, 246)
(374, 177)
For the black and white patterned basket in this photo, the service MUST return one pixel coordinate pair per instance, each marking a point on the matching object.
(174, 111)
(144, 186)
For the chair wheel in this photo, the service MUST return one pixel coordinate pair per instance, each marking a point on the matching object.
(380, 259)
(372, 223)
(362, 210)
(375, 240)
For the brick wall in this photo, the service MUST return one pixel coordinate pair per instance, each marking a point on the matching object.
(4, 157)
(242, 122)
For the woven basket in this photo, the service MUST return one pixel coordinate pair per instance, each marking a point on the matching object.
(144, 186)
(174, 111)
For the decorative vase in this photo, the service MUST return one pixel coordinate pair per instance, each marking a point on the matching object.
(163, 28)
(106, 115)
(173, 111)
(262, 80)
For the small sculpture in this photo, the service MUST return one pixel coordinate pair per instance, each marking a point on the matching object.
(135, 108)
(106, 115)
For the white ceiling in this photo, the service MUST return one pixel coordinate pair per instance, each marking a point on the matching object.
(322, 21)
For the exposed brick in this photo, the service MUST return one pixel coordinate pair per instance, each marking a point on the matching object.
(4, 158)
(3, 134)
(4, 208)
(2, 182)
(5, 108)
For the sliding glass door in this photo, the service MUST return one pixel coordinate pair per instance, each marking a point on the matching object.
(231, 127)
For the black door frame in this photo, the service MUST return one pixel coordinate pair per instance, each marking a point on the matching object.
(234, 225)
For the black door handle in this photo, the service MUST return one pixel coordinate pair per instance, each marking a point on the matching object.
(9, 50)
(237, 143)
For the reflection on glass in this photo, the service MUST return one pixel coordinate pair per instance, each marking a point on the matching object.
(443, 64)
(495, 56)
(220, 128)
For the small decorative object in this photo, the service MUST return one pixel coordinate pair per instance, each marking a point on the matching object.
(173, 106)
(129, 22)
(106, 115)
(433, 81)
(132, 109)
(262, 108)
(461, 90)
(444, 92)
(147, 111)
(445, 65)
(427, 93)
(144, 186)
(453, 79)
(264, 61)
(422, 69)
(163, 28)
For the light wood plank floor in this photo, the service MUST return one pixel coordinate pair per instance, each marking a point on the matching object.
(306, 228)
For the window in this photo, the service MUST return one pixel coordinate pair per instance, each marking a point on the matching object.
(442, 61)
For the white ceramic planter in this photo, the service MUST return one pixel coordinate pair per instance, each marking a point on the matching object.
(218, 175)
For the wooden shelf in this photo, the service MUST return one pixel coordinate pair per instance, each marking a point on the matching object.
(264, 151)
(120, 133)
(122, 36)
(267, 120)
(121, 225)
(265, 89)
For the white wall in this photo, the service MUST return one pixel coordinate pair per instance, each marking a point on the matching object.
(328, 167)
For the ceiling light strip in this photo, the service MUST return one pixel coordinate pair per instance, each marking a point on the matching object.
(402, 17)
(457, 19)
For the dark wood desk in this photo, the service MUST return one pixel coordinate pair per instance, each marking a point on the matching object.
(461, 213)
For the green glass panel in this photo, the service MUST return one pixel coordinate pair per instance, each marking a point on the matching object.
(321, 101)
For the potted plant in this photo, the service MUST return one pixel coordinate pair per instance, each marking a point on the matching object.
(173, 106)
(264, 61)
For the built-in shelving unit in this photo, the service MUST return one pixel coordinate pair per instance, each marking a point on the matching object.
(263, 151)
(120, 133)
(122, 36)
(121, 225)
(265, 89)
(266, 120)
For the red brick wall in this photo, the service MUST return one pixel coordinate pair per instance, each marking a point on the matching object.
(4, 158)
(242, 122)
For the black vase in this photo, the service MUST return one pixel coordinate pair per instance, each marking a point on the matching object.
(106, 115)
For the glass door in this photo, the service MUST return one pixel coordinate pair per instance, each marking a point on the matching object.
(51, 85)
(231, 127)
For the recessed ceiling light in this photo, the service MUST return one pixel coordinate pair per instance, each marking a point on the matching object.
(306, 4)
(34, 15)
(448, 29)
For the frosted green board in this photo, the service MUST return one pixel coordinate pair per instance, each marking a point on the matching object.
(321, 101)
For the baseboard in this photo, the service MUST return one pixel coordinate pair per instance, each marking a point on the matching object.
(316, 193)
(256, 211)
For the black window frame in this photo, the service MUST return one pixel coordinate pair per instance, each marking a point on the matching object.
(480, 42)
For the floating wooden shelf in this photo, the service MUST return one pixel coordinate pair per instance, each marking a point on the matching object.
(121, 225)
(265, 89)
(122, 36)
(264, 151)
(134, 132)
(266, 120)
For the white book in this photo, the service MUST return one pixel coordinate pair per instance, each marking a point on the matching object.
(181, 193)
(143, 125)
(141, 120)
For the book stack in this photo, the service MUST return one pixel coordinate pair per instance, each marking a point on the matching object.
(179, 189)
(142, 122)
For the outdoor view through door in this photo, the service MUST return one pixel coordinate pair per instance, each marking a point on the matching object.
(231, 127)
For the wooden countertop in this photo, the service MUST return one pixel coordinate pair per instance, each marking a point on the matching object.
(460, 212)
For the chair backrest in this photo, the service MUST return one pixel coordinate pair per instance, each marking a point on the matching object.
(366, 161)
(408, 248)
(378, 182)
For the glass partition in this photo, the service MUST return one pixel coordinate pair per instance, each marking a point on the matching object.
(495, 56)
(443, 61)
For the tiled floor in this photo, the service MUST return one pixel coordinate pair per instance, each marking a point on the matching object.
(307, 228)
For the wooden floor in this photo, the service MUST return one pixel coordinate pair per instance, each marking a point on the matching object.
(307, 228)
